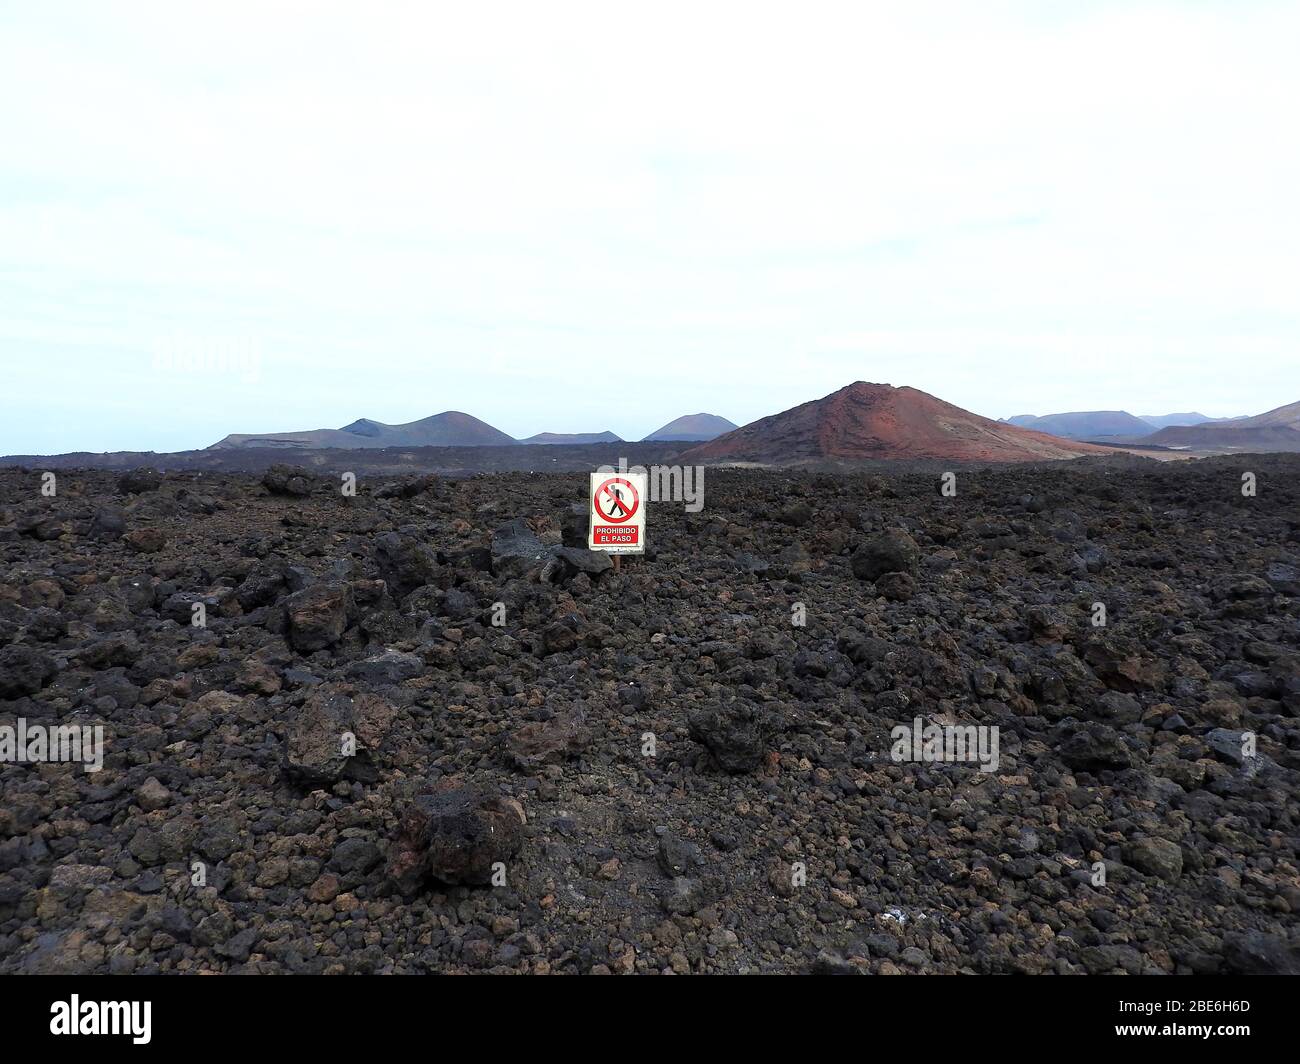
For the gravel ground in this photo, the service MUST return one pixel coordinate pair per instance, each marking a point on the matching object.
(423, 729)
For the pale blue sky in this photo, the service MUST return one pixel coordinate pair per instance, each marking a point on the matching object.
(581, 217)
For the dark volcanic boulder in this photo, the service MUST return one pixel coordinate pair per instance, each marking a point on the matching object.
(896, 586)
(111, 651)
(333, 736)
(180, 606)
(516, 550)
(678, 856)
(537, 743)
(1155, 857)
(557, 638)
(146, 540)
(45, 625)
(317, 616)
(261, 586)
(287, 480)
(139, 481)
(1284, 579)
(1240, 586)
(1259, 953)
(108, 523)
(576, 526)
(41, 527)
(405, 563)
(1092, 747)
(24, 671)
(797, 514)
(738, 735)
(387, 668)
(575, 560)
(454, 835)
(1119, 663)
(889, 552)
(408, 488)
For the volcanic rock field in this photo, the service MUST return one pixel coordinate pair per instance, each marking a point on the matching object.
(424, 729)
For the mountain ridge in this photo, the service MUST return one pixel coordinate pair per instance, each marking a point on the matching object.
(1274, 430)
(872, 421)
(568, 438)
(451, 428)
(1083, 424)
(691, 427)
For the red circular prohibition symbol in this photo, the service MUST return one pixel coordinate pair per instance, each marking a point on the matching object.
(636, 500)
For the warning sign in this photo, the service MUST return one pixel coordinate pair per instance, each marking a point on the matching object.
(617, 513)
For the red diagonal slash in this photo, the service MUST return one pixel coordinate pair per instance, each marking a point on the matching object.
(636, 500)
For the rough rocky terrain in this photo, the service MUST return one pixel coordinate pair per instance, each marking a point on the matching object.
(353, 750)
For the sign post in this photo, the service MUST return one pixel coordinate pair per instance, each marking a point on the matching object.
(618, 505)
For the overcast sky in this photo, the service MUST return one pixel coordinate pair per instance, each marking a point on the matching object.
(584, 217)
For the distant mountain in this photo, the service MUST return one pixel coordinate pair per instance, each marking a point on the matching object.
(692, 427)
(1163, 421)
(448, 429)
(1084, 424)
(1107, 425)
(1282, 417)
(448, 461)
(863, 421)
(574, 437)
(1273, 430)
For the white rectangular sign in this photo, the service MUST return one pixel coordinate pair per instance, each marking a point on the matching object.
(618, 505)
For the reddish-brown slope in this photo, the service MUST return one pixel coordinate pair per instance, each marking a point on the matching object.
(879, 421)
